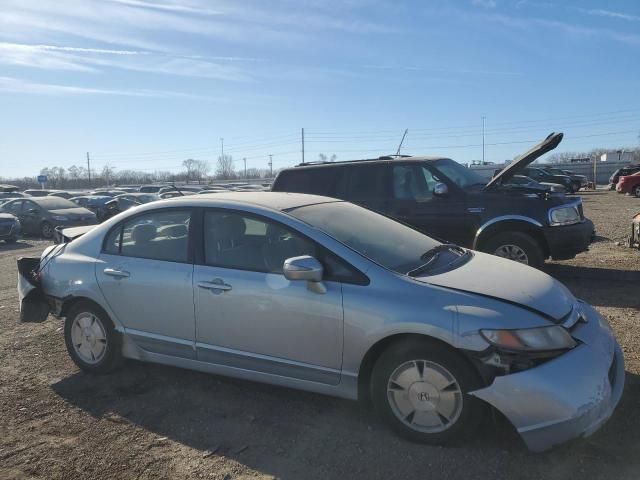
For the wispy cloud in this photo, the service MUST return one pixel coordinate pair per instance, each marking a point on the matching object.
(611, 14)
(16, 85)
(441, 70)
(169, 7)
(54, 57)
(484, 3)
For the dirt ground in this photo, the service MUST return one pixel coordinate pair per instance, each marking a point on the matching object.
(149, 421)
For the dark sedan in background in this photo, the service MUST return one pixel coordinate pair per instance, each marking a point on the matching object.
(40, 216)
(96, 203)
(10, 228)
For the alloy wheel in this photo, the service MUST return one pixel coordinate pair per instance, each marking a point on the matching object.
(512, 252)
(424, 396)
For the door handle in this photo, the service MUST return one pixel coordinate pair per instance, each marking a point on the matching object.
(217, 284)
(116, 273)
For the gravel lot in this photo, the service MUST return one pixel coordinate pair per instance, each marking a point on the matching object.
(149, 421)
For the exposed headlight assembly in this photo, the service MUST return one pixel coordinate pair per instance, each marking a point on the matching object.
(541, 339)
(564, 216)
(517, 350)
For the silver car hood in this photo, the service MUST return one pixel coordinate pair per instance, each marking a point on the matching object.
(508, 281)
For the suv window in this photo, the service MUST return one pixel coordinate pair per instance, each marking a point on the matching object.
(317, 181)
(413, 182)
(244, 242)
(366, 182)
(161, 235)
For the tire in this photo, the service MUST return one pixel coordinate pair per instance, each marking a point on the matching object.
(437, 414)
(10, 240)
(517, 246)
(636, 191)
(91, 339)
(46, 230)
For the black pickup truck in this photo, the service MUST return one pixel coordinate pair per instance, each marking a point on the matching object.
(449, 201)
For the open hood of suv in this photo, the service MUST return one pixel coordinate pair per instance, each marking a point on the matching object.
(548, 144)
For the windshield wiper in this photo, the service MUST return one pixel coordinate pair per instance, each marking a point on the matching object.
(430, 256)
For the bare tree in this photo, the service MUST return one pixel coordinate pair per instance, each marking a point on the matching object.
(108, 174)
(202, 167)
(225, 168)
(190, 165)
(324, 158)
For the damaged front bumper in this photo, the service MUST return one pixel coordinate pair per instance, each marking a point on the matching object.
(568, 397)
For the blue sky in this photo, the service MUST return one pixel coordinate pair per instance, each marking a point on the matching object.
(144, 84)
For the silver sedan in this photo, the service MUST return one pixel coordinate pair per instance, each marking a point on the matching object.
(318, 294)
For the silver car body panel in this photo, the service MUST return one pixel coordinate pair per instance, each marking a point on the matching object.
(569, 396)
(177, 323)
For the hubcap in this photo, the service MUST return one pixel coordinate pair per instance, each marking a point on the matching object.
(89, 338)
(47, 231)
(512, 252)
(424, 396)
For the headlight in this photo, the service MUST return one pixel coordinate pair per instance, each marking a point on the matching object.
(60, 218)
(538, 339)
(564, 216)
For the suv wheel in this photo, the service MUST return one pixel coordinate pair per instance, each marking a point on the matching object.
(516, 246)
(92, 342)
(420, 389)
(636, 191)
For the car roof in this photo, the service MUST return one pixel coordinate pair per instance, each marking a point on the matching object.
(281, 201)
(386, 159)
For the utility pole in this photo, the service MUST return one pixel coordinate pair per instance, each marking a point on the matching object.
(222, 148)
(402, 141)
(245, 167)
(271, 165)
(483, 117)
(89, 169)
(302, 144)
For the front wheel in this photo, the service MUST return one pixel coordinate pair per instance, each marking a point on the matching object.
(421, 389)
(91, 340)
(636, 191)
(517, 246)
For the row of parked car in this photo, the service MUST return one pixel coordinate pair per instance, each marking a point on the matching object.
(626, 180)
(41, 211)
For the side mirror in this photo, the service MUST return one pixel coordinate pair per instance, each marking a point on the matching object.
(303, 268)
(440, 190)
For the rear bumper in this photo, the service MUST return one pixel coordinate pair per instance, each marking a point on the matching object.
(569, 397)
(567, 241)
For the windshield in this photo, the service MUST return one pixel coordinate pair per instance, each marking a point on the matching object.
(462, 176)
(55, 203)
(387, 242)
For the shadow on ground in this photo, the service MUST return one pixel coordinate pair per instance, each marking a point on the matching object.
(19, 245)
(292, 434)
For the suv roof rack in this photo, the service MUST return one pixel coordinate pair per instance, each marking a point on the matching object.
(325, 162)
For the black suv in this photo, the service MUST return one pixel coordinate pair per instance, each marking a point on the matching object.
(447, 200)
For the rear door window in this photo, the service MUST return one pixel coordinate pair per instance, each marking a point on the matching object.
(162, 235)
(367, 182)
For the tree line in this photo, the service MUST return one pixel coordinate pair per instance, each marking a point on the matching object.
(193, 171)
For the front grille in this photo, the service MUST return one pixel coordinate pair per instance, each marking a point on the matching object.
(612, 370)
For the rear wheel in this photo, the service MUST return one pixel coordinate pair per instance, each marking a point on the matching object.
(11, 240)
(421, 389)
(517, 246)
(92, 342)
(46, 229)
